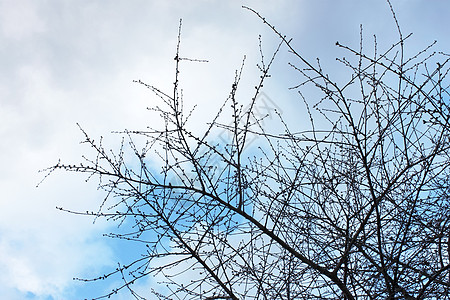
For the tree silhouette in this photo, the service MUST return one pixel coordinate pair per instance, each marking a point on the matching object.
(356, 207)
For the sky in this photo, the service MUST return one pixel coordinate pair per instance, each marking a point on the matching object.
(74, 61)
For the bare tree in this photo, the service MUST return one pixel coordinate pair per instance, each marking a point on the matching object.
(356, 207)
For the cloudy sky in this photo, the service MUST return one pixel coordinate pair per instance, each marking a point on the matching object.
(63, 62)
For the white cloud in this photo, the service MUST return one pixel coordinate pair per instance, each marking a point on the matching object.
(20, 19)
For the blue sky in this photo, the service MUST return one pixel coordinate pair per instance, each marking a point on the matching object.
(63, 62)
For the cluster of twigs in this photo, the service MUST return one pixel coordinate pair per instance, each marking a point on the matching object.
(357, 207)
